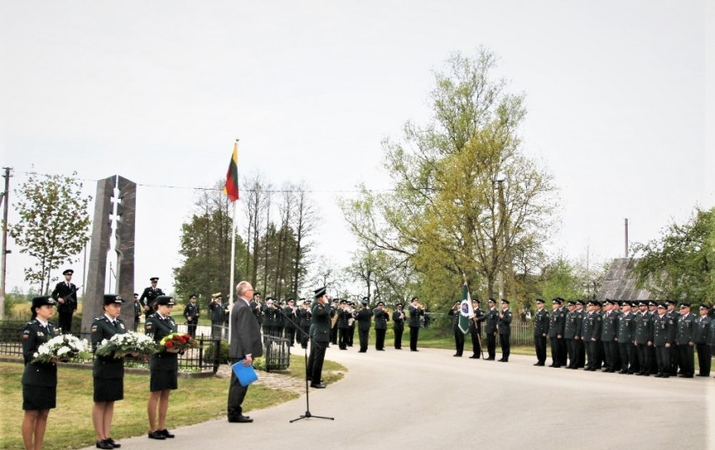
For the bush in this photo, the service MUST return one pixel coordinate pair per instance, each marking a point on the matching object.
(223, 352)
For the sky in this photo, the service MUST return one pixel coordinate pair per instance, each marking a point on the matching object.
(619, 97)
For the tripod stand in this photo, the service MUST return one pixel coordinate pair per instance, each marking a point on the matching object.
(307, 414)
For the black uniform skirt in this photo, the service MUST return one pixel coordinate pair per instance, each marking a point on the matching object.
(35, 398)
(163, 380)
(108, 389)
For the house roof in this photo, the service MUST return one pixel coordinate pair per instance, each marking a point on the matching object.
(620, 283)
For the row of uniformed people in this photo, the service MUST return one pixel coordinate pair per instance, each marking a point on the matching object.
(640, 337)
(39, 380)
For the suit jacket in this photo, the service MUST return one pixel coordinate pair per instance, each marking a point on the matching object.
(106, 366)
(245, 332)
(320, 325)
(37, 374)
(68, 294)
(364, 317)
(381, 319)
(504, 324)
(492, 319)
(541, 322)
(398, 320)
(158, 327)
(149, 295)
(415, 314)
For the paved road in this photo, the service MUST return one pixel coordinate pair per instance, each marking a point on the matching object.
(431, 400)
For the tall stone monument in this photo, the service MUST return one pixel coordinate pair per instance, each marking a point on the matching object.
(114, 215)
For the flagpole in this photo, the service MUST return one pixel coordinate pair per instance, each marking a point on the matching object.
(232, 283)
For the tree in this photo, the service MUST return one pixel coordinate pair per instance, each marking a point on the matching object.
(206, 247)
(54, 223)
(466, 200)
(679, 265)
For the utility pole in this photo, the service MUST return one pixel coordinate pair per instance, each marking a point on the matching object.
(5, 197)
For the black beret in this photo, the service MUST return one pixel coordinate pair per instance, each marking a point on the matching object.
(110, 299)
(68, 272)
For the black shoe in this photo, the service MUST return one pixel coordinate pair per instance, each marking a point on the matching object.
(503, 360)
(380, 349)
(555, 367)
(500, 359)
(474, 357)
(103, 444)
(415, 350)
(658, 375)
(623, 371)
(457, 354)
(156, 435)
(489, 359)
(362, 351)
(113, 443)
(540, 364)
(240, 419)
(318, 385)
(165, 433)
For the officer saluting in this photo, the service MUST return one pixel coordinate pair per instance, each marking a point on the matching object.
(149, 297)
(65, 294)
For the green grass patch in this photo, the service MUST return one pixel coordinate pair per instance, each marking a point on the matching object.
(70, 424)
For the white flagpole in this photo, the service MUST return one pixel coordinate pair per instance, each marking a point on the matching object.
(232, 282)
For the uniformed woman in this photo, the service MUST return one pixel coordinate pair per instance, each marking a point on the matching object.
(163, 366)
(39, 380)
(108, 371)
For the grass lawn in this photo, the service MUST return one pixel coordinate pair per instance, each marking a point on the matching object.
(70, 424)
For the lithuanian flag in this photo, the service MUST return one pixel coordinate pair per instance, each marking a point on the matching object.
(231, 187)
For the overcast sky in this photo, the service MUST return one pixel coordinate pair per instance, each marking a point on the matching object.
(619, 97)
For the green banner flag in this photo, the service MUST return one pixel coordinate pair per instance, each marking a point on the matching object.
(466, 312)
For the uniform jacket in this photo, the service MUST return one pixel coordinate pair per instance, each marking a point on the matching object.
(68, 292)
(257, 311)
(415, 314)
(149, 295)
(644, 329)
(245, 333)
(107, 366)
(344, 316)
(626, 328)
(492, 318)
(663, 330)
(541, 322)
(289, 313)
(364, 318)
(191, 312)
(685, 327)
(609, 326)
(592, 327)
(398, 320)
(504, 324)
(557, 323)
(304, 317)
(158, 327)
(475, 325)
(37, 374)
(702, 329)
(320, 326)
(381, 318)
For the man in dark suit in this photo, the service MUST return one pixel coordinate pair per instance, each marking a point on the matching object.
(398, 325)
(557, 324)
(490, 328)
(475, 329)
(504, 327)
(191, 314)
(541, 329)
(363, 318)
(245, 345)
(149, 296)
(320, 335)
(684, 338)
(65, 294)
(381, 319)
(700, 337)
(416, 312)
(458, 333)
(137, 311)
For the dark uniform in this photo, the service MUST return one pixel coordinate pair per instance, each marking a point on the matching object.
(381, 319)
(626, 333)
(39, 380)
(67, 291)
(504, 327)
(149, 296)
(344, 316)
(557, 324)
(663, 338)
(608, 337)
(256, 308)
(217, 312)
(458, 333)
(334, 323)
(571, 325)
(643, 339)
(702, 332)
(580, 347)
(490, 329)
(398, 325)
(363, 318)
(137, 311)
(320, 335)
(304, 318)
(674, 352)
(416, 313)
(108, 371)
(591, 336)
(164, 365)
(191, 314)
(290, 318)
(475, 331)
(541, 330)
(684, 338)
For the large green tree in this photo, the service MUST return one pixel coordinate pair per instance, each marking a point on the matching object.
(53, 226)
(465, 198)
(679, 265)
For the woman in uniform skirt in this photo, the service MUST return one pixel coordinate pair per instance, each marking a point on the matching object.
(39, 380)
(163, 367)
(108, 371)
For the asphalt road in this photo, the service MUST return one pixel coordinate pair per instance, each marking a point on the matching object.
(431, 400)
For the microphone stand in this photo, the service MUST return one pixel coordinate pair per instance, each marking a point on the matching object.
(307, 414)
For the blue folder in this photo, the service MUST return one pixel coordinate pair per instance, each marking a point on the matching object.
(245, 374)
